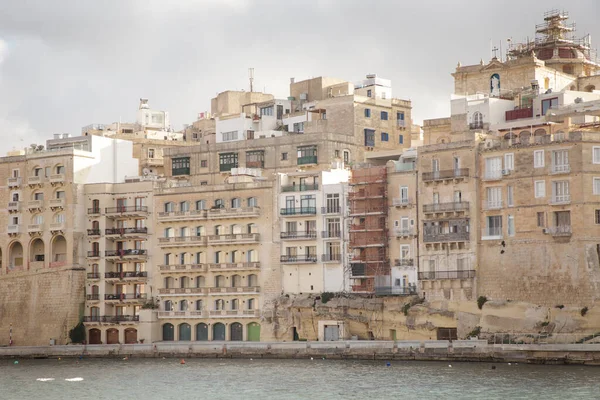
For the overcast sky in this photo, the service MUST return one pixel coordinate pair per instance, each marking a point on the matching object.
(68, 63)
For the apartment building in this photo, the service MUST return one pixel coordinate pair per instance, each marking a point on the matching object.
(313, 219)
(119, 240)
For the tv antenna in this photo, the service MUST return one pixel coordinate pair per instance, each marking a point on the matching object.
(251, 77)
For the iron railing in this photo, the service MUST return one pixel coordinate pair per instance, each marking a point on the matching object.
(432, 275)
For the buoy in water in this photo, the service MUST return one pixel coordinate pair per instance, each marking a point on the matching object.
(16, 362)
(388, 364)
(449, 365)
(493, 367)
(182, 361)
(311, 359)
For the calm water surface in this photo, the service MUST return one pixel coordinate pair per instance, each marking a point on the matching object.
(291, 379)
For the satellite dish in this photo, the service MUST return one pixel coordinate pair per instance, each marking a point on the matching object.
(145, 172)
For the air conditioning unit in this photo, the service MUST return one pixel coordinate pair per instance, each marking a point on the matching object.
(545, 231)
(506, 172)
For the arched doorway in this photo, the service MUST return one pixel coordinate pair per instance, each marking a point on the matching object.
(236, 332)
(112, 336)
(15, 255)
(59, 251)
(202, 332)
(36, 253)
(95, 336)
(185, 332)
(130, 336)
(253, 332)
(168, 332)
(218, 331)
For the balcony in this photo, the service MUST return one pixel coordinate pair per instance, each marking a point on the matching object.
(35, 229)
(519, 113)
(449, 174)
(299, 211)
(57, 227)
(183, 267)
(331, 210)
(558, 231)
(94, 211)
(124, 211)
(401, 202)
(56, 203)
(492, 175)
(93, 232)
(131, 275)
(179, 291)
(299, 188)
(437, 236)
(331, 258)
(561, 169)
(126, 297)
(224, 167)
(255, 164)
(237, 238)
(492, 205)
(183, 314)
(93, 275)
(307, 160)
(14, 206)
(404, 262)
(234, 313)
(333, 234)
(92, 297)
(35, 204)
(126, 232)
(13, 229)
(301, 259)
(182, 215)
(298, 235)
(130, 254)
(111, 319)
(560, 199)
(241, 212)
(432, 275)
(253, 265)
(234, 290)
(404, 232)
(93, 254)
(492, 233)
(459, 206)
(182, 241)
(14, 182)
(57, 179)
(476, 125)
(34, 180)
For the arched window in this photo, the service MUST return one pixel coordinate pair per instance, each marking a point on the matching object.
(59, 218)
(168, 232)
(183, 231)
(252, 228)
(183, 305)
(168, 305)
(217, 257)
(477, 122)
(236, 281)
(200, 281)
(199, 231)
(199, 305)
(168, 332)
(235, 304)
(168, 259)
(168, 282)
(252, 202)
(236, 202)
(95, 206)
(235, 254)
(252, 280)
(252, 256)
(184, 282)
(251, 304)
(59, 169)
(199, 257)
(236, 229)
(219, 281)
(219, 304)
(539, 136)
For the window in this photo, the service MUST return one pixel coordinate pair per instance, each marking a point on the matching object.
(180, 166)
(298, 127)
(59, 194)
(346, 156)
(307, 155)
(596, 185)
(509, 161)
(477, 120)
(333, 202)
(436, 198)
(203, 163)
(597, 217)
(184, 206)
(560, 161)
(236, 202)
(383, 95)
(548, 104)
(367, 113)
(266, 111)
(252, 202)
(219, 203)
(540, 189)
(199, 231)
(284, 156)
(369, 92)
(201, 205)
(150, 153)
(435, 165)
(400, 119)
(227, 161)
(369, 138)
(596, 154)
(404, 252)
(308, 201)
(404, 194)
(560, 192)
(255, 159)
(538, 158)
(384, 137)
(494, 197)
(401, 139)
(493, 168)
(38, 219)
(231, 135)
(38, 196)
(494, 226)
(509, 196)
(384, 115)
(59, 218)
(511, 225)
(203, 183)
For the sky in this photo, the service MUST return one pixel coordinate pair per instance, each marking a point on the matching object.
(65, 64)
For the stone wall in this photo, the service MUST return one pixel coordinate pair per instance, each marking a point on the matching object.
(40, 306)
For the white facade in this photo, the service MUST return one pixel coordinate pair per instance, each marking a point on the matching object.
(481, 109)
(152, 119)
(374, 87)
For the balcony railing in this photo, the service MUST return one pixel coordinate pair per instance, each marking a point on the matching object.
(560, 230)
(404, 232)
(519, 113)
(35, 204)
(400, 201)
(233, 212)
(299, 259)
(446, 207)
(404, 262)
(125, 210)
(114, 319)
(436, 235)
(234, 266)
(94, 232)
(93, 297)
(183, 267)
(367, 227)
(561, 169)
(299, 211)
(494, 232)
(93, 275)
(56, 203)
(298, 235)
(57, 226)
(34, 180)
(476, 125)
(493, 205)
(182, 240)
(332, 234)
(14, 182)
(300, 188)
(126, 231)
(126, 274)
(431, 275)
(93, 254)
(93, 211)
(560, 199)
(125, 252)
(57, 178)
(14, 206)
(126, 296)
(13, 229)
(307, 160)
(331, 210)
(396, 290)
(35, 228)
(234, 238)
(334, 257)
(446, 174)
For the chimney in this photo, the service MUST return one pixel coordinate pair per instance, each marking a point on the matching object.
(292, 80)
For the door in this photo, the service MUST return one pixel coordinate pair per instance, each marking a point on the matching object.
(112, 336)
(253, 332)
(130, 335)
(185, 332)
(202, 332)
(237, 333)
(332, 333)
(168, 332)
(218, 331)
(95, 336)
(121, 205)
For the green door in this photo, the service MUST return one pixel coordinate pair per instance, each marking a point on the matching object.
(253, 332)
(202, 331)
(168, 332)
(185, 332)
(237, 332)
(218, 331)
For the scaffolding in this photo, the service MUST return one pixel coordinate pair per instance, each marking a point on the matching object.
(368, 230)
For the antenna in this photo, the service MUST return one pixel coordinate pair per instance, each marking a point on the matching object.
(251, 77)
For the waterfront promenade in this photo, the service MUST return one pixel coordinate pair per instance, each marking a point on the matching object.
(434, 350)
